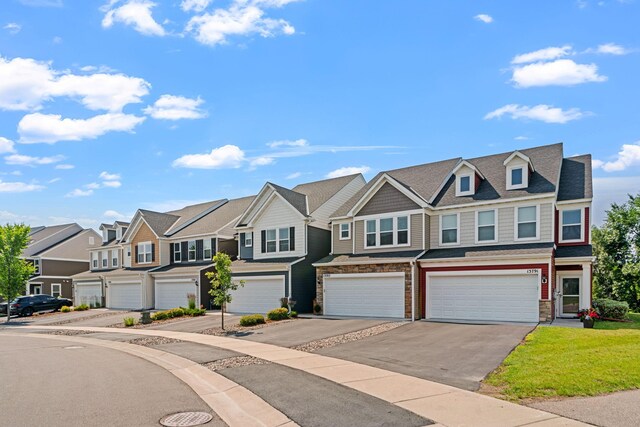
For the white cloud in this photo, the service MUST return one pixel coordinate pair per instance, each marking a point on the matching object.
(350, 170)
(628, 156)
(261, 161)
(521, 138)
(134, 13)
(109, 176)
(51, 128)
(170, 205)
(54, 180)
(241, 18)
(6, 146)
(194, 5)
(294, 175)
(25, 84)
(610, 49)
(227, 156)
(483, 17)
(18, 187)
(288, 143)
(20, 159)
(170, 107)
(13, 28)
(79, 193)
(112, 184)
(56, 40)
(561, 72)
(65, 166)
(116, 215)
(92, 186)
(542, 112)
(611, 190)
(545, 54)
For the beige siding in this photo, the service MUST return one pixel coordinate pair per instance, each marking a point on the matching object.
(278, 214)
(427, 231)
(322, 214)
(505, 224)
(341, 246)
(387, 199)
(415, 239)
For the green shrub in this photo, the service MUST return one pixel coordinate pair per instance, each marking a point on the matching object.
(160, 315)
(252, 320)
(81, 307)
(293, 314)
(194, 312)
(129, 321)
(611, 309)
(192, 301)
(65, 309)
(278, 314)
(176, 312)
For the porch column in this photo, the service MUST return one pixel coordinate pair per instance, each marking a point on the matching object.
(585, 286)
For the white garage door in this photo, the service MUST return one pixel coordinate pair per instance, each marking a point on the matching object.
(88, 293)
(125, 295)
(480, 297)
(258, 295)
(364, 295)
(173, 294)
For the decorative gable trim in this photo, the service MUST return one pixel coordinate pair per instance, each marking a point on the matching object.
(137, 221)
(384, 179)
(469, 165)
(202, 214)
(521, 156)
(247, 221)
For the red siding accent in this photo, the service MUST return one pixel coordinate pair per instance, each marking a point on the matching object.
(478, 180)
(543, 267)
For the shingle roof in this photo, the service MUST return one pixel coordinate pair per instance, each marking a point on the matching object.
(383, 257)
(297, 200)
(75, 247)
(217, 219)
(546, 162)
(423, 180)
(257, 265)
(47, 237)
(574, 251)
(188, 212)
(159, 222)
(182, 268)
(575, 178)
(545, 248)
(318, 192)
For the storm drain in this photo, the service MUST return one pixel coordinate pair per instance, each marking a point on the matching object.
(185, 419)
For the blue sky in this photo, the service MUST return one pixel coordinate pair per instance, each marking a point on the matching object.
(110, 106)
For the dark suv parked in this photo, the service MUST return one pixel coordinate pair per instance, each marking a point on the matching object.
(27, 305)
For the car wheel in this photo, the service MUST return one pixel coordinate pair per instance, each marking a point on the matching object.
(28, 311)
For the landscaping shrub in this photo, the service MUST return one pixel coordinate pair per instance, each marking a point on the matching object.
(252, 320)
(192, 301)
(611, 309)
(293, 314)
(129, 321)
(160, 315)
(194, 311)
(65, 309)
(278, 314)
(176, 312)
(81, 307)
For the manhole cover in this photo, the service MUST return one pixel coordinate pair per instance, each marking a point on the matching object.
(185, 419)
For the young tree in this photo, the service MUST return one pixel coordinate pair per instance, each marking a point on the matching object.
(221, 282)
(14, 271)
(616, 246)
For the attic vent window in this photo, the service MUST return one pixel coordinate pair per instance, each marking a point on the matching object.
(465, 184)
(516, 176)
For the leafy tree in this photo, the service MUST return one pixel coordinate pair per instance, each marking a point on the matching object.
(14, 271)
(221, 282)
(616, 246)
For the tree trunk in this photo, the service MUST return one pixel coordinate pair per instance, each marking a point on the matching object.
(222, 316)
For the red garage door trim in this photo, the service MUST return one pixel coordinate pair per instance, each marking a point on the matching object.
(424, 270)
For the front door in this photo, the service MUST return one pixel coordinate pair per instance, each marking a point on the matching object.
(570, 296)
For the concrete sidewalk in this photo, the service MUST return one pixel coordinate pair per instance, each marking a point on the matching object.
(444, 404)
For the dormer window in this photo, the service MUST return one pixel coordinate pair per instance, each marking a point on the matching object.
(517, 177)
(464, 185)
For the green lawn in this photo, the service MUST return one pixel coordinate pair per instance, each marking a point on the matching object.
(571, 362)
(635, 324)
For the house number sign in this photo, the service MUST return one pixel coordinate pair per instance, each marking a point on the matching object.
(533, 271)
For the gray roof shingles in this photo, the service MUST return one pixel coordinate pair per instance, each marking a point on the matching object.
(295, 199)
(574, 251)
(575, 178)
(318, 192)
(545, 248)
(159, 222)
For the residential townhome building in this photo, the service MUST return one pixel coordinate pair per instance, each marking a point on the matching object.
(503, 237)
(57, 253)
(281, 233)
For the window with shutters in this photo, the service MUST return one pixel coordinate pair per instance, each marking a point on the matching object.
(177, 254)
(191, 250)
(278, 240)
(385, 232)
(145, 255)
(105, 259)
(207, 249)
(94, 260)
(283, 240)
(36, 266)
(114, 258)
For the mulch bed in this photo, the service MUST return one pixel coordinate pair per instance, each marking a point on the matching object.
(235, 362)
(312, 346)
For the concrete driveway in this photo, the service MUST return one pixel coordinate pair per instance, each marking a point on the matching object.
(61, 384)
(455, 354)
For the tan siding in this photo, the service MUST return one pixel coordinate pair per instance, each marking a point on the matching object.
(144, 234)
(467, 229)
(415, 239)
(427, 231)
(341, 246)
(505, 224)
(435, 229)
(388, 199)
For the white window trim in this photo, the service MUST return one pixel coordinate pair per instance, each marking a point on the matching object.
(471, 191)
(204, 249)
(114, 256)
(36, 265)
(177, 249)
(525, 177)
(394, 230)
(457, 242)
(495, 227)
(561, 226)
(141, 245)
(104, 258)
(515, 224)
(195, 250)
(59, 289)
(94, 260)
(248, 235)
(277, 240)
(348, 224)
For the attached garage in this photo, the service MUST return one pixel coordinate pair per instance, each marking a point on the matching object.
(366, 295)
(127, 295)
(89, 293)
(174, 293)
(483, 296)
(258, 295)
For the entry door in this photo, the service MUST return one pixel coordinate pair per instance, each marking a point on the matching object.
(37, 289)
(570, 297)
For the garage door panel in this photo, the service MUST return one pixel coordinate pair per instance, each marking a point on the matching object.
(90, 294)
(125, 295)
(173, 294)
(484, 297)
(364, 296)
(257, 295)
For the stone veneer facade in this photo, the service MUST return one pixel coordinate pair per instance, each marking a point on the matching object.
(545, 311)
(367, 268)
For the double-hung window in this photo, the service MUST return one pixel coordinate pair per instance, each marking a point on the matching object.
(36, 266)
(278, 240)
(206, 245)
(114, 258)
(283, 239)
(345, 231)
(94, 260)
(105, 259)
(572, 225)
(248, 240)
(191, 250)
(272, 243)
(527, 223)
(486, 221)
(449, 229)
(177, 252)
(144, 253)
(56, 290)
(386, 231)
(393, 231)
(371, 235)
